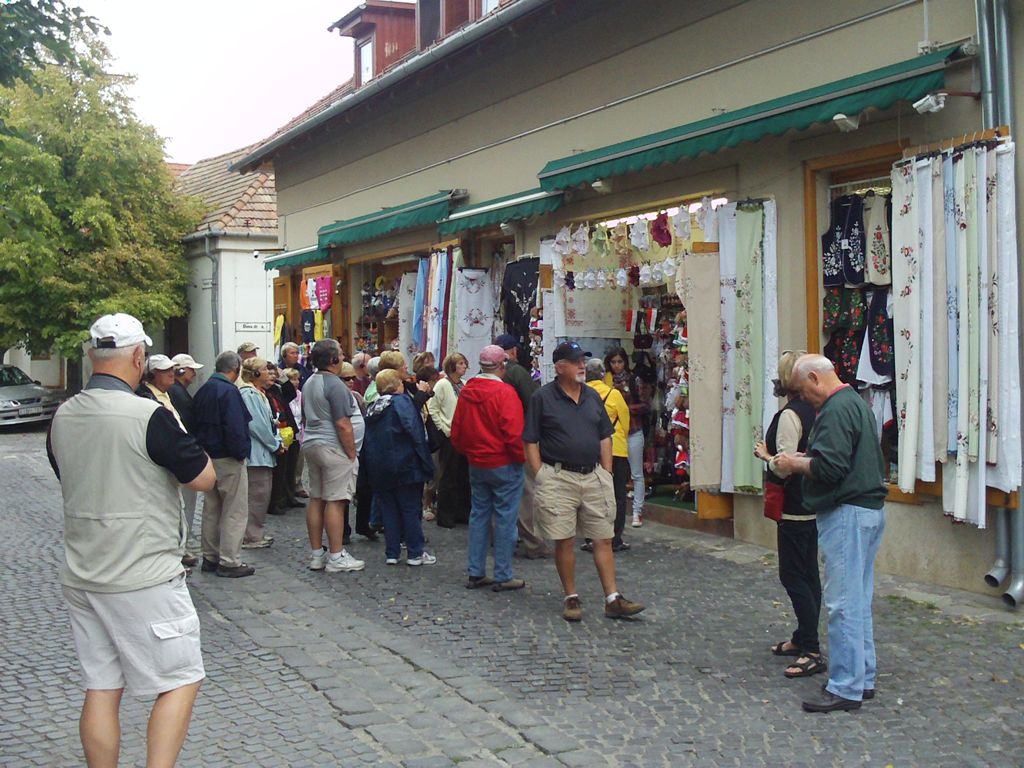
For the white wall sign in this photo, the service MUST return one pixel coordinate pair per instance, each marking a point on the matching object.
(252, 327)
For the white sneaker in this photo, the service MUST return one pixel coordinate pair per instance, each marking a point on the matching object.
(343, 563)
(425, 559)
(318, 560)
(391, 561)
(638, 521)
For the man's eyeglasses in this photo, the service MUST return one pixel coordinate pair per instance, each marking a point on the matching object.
(348, 378)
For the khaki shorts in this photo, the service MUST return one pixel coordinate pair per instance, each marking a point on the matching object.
(568, 503)
(332, 474)
(146, 641)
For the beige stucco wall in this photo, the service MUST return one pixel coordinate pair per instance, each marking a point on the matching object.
(459, 134)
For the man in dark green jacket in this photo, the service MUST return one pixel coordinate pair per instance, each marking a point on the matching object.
(531, 545)
(843, 483)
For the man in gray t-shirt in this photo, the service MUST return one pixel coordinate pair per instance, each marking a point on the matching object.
(330, 449)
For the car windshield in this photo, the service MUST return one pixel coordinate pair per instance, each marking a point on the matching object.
(13, 377)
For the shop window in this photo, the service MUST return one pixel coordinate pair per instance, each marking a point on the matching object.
(366, 61)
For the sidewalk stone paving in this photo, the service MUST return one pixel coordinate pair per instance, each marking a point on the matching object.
(396, 666)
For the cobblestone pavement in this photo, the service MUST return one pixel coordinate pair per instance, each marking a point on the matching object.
(396, 666)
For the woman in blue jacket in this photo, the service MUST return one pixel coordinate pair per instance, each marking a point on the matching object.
(265, 444)
(396, 456)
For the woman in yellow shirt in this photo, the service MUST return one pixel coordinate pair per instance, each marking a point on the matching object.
(618, 414)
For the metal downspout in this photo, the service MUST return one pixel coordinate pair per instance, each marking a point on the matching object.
(988, 105)
(1001, 567)
(1013, 518)
(214, 291)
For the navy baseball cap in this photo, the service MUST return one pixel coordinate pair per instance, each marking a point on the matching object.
(506, 341)
(569, 350)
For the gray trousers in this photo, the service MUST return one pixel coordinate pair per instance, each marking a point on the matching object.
(260, 482)
(532, 544)
(225, 513)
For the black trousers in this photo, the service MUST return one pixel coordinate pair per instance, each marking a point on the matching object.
(454, 497)
(620, 477)
(363, 502)
(798, 572)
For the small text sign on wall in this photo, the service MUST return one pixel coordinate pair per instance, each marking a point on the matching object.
(252, 327)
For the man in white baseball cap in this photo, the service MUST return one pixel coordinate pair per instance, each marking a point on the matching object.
(120, 460)
(118, 331)
(185, 368)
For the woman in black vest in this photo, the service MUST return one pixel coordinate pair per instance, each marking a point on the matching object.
(797, 529)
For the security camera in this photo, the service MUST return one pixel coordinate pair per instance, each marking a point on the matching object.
(601, 186)
(933, 102)
(255, 254)
(846, 123)
(506, 228)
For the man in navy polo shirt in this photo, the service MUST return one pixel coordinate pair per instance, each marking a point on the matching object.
(568, 442)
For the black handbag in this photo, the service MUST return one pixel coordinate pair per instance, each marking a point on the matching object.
(642, 338)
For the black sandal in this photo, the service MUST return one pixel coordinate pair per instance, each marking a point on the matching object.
(778, 650)
(810, 664)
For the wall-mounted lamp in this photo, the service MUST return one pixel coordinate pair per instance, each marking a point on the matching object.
(933, 102)
(845, 123)
(602, 186)
(507, 229)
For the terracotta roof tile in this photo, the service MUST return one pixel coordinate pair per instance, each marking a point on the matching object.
(237, 202)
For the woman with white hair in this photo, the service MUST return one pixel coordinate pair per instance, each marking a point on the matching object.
(265, 444)
(372, 369)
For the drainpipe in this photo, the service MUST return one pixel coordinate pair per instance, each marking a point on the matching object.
(1009, 524)
(988, 106)
(1001, 567)
(214, 291)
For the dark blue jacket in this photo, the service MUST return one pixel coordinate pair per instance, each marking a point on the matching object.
(221, 419)
(395, 448)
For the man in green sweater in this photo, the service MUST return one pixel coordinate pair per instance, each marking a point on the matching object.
(843, 484)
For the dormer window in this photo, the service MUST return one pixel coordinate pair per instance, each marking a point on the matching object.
(365, 49)
(487, 6)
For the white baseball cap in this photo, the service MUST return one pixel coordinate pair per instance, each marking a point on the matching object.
(118, 330)
(186, 361)
(159, 363)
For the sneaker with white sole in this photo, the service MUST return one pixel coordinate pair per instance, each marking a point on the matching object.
(391, 561)
(638, 521)
(425, 559)
(318, 560)
(343, 563)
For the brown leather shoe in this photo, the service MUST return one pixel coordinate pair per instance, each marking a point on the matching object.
(572, 610)
(189, 561)
(621, 608)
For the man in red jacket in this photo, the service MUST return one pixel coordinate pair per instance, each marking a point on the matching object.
(487, 429)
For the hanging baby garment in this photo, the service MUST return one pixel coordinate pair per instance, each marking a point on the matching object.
(879, 261)
(563, 242)
(681, 223)
(660, 231)
(842, 246)
(581, 240)
(599, 241)
(639, 236)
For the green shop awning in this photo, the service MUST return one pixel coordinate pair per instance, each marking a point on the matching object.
(522, 205)
(296, 258)
(426, 211)
(879, 88)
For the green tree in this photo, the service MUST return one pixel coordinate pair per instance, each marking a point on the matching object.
(91, 222)
(38, 32)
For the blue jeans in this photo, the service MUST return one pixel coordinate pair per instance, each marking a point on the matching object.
(848, 538)
(496, 494)
(401, 506)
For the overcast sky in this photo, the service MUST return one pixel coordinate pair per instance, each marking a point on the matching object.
(216, 75)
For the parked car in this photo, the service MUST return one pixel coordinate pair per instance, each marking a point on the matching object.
(23, 401)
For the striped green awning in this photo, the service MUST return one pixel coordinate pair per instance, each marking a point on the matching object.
(879, 88)
(522, 205)
(426, 211)
(297, 258)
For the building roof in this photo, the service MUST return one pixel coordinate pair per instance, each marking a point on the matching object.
(346, 22)
(346, 96)
(177, 169)
(243, 203)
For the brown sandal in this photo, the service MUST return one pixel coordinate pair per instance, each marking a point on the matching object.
(809, 664)
(779, 650)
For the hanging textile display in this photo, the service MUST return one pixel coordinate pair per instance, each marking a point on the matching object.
(956, 313)
(695, 273)
(749, 346)
(453, 302)
(727, 297)
(1006, 472)
(926, 458)
(519, 295)
(475, 315)
(907, 319)
(770, 323)
(842, 246)
(406, 314)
